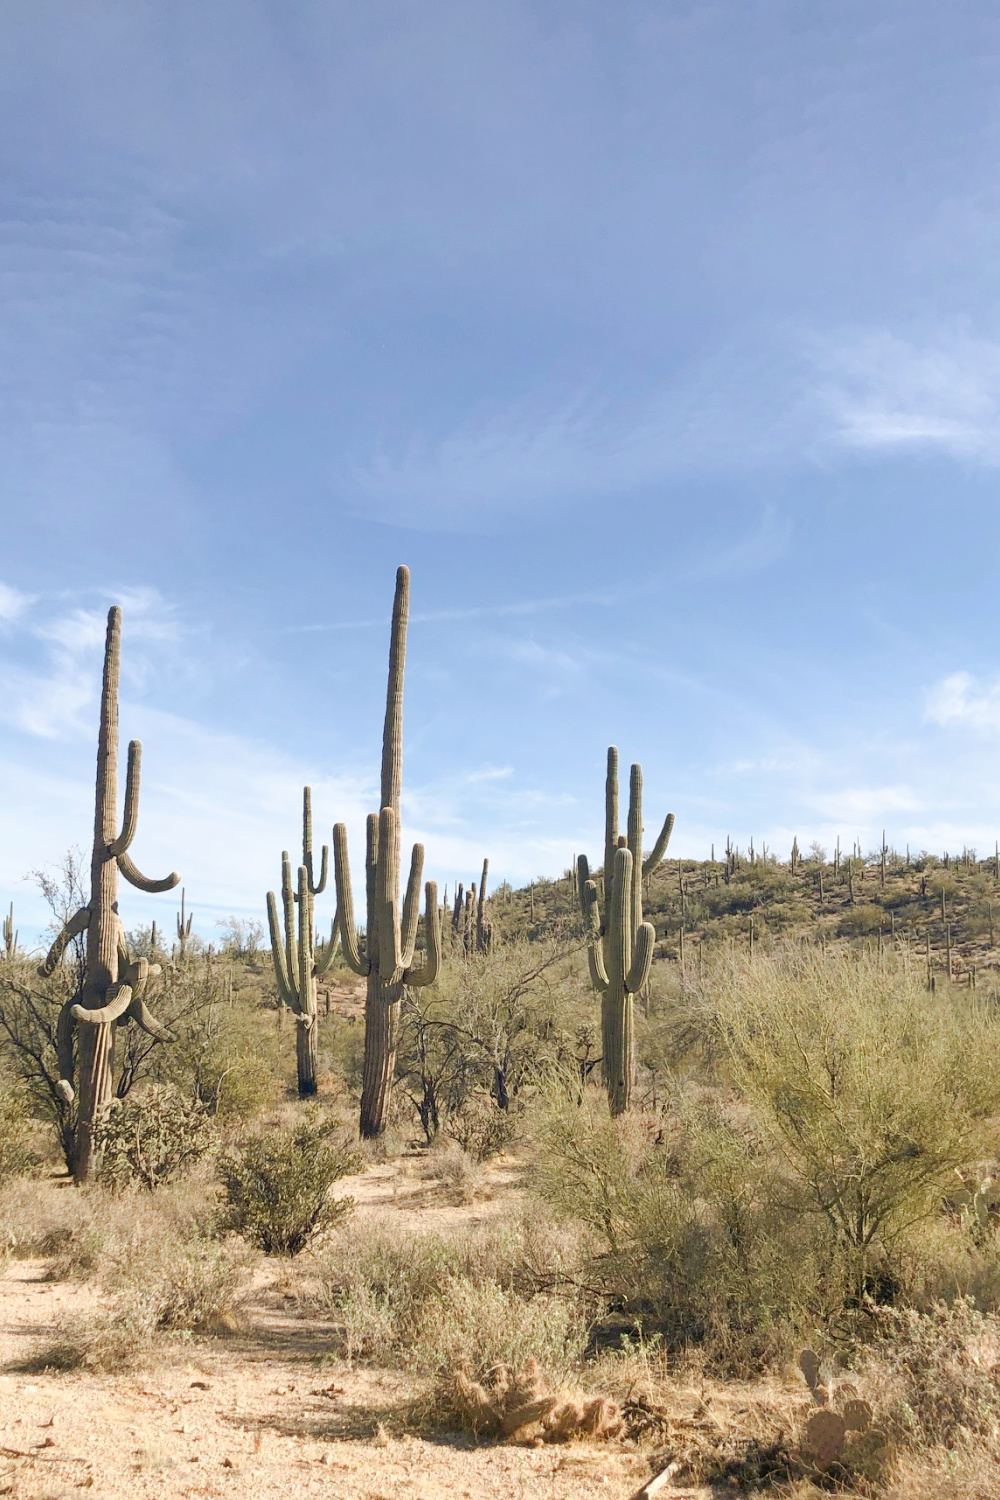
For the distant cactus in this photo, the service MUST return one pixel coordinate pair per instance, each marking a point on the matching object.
(113, 982)
(621, 945)
(484, 928)
(297, 963)
(9, 935)
(183, 929)
(386, 958)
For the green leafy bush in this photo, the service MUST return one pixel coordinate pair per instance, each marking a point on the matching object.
(150, 1138)
(278, 1182)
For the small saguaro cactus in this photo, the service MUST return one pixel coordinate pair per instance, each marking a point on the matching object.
(114, 982)
(297, 961)
(621, 944)
(484, 927)
(184, 921)
(386, 958)
(9, 935)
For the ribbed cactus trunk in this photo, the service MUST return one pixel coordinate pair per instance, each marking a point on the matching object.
(390, 936)
(113, 983)
(620, 949)
(297, 961)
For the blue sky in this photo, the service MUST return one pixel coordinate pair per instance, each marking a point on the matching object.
(661, 340)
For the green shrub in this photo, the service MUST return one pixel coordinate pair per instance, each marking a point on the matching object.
(481, 1129)
(16, 1155)
(278, 1182)
(150, 1138)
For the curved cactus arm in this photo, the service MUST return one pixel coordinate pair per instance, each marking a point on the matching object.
(642, 958)
(316, 887)
(143, 882)
(595, 948)
(431, 967)
(73, 928)
(65, 1025)
(118, 1001)
(345, 903)
(278, 957)
(140, 1013)
(124, 956)
(130, 821)
(659, 849)
(411, 907)
(288, 899)
(327, 952)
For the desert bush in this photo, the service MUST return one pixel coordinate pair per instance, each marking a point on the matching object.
(393, 1292)
(688, 1231)
(16, 1155)
(277, 1184)
(150, 1138)
(480, 1325)
(874, 1091)
(481, 1129)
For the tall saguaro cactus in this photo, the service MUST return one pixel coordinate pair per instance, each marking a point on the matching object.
(620, 948)
(297, 962)
(386, 958)
(114, 982)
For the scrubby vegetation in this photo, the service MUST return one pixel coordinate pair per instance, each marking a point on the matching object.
(739, 1109)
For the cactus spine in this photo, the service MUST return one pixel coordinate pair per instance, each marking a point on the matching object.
(114, 982)
(387, 957)
(297, 962)
(620, 944)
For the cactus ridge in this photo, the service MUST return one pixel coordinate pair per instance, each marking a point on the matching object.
(113, 983)
(386, 956)
(620, 943)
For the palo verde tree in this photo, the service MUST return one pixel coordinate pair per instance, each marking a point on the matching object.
(386, 956)
(297, 962)
(620, 947)
(113, 983)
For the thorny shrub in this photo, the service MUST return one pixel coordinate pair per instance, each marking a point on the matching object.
(277, 1184)
(150, 1138)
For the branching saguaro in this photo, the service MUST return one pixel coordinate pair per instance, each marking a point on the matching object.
(620, 947)
(386, 956)
(298, 963)
(184, 920)
(113, 983)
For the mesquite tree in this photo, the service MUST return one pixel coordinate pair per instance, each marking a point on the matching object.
(386, 955)
(620, 948)
(113, 982)
(297, 961)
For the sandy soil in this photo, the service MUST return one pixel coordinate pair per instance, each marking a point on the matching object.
(266, 1411)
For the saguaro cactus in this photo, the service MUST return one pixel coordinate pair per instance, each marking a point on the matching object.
(114, 982)
(183, 928)
(387, 954)
(621, 944)
(10, 936)
(297, 961)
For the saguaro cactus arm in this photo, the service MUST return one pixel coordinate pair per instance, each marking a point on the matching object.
(73, 928)
(278, 955)
(143, 882)
(428, 971)
(130, 819)
(392, 734)
(345, 904)
(659, 849)
(327, 952)
(316, 887)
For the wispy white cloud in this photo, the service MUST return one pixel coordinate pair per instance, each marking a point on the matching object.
(883, 392)
(960, 699)
(12, 602)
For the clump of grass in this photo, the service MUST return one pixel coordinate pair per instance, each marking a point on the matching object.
(479, 1299)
